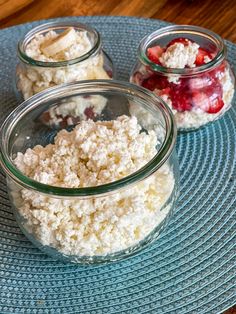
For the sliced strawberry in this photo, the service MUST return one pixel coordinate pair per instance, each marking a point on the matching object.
(215, 94)
(214, 90)
(154, 54)
(208, 104)
(216, 105)
(200, 59)
(200, 81)
(209, 97)
(181, 40)
(155, 82)
(181, 103)
(89, 113)
(181, 98)
(201, 100)
(109, 73)
(165, 91)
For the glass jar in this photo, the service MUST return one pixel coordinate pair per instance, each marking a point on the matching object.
(196, 95)
(91, 224)
(83, 60)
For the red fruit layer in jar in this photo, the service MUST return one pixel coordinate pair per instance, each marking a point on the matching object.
(66, 116)
(202, 91)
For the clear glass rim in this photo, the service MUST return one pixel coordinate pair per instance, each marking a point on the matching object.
(57, 25)
(71, 89)
(178, 29)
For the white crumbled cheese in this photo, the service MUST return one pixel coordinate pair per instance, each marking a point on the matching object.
(147, 120)
(174, 79)
(94, 153)
(206, 59)
(179, 55)
(33, 79)
(79, 47)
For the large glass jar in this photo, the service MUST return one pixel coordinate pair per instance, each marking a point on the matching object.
(79, 56)
(197, 95)
(91, 224)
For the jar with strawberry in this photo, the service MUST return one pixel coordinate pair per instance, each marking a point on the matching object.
(187, 67)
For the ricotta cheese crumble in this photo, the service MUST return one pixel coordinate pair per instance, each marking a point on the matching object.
(92, 154)
(33, 79)
(179, 55)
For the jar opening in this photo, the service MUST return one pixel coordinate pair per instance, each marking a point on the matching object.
(200, 35)
(58, 27)
(155, 104)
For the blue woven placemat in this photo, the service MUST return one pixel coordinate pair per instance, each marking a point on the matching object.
(190, 269)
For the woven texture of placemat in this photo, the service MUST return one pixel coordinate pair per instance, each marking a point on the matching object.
(189, 269)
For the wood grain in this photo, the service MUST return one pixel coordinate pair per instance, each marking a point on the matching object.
(217, 15)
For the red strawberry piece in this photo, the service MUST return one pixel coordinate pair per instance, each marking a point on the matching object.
(215, 94)
(155, 82)
(215, 90)
(181, 40)
(109, 73)
(181, 98)
(212, 104)
(89, 113)
(165, 91)
(45, 117)
(200, 81)
(216, 105)
(154, 54)
(181, 103)
(209, 98)
(200, 59)
(201, 100)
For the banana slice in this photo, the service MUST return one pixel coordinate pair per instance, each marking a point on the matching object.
(53, 46)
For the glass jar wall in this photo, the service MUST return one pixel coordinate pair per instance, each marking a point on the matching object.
(91, 223)
(55, 53)
(197, 92)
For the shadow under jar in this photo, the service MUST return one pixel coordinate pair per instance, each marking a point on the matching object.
(187, 67)
(60, 52)
(99, 190)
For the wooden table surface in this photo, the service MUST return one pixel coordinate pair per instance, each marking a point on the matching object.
(217, 15)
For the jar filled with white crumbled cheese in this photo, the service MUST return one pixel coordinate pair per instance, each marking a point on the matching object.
(187, 67)
(94, 189)
(60, 52)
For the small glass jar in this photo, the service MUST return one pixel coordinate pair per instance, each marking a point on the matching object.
(113, 220)
(34, 74)
(197, 95)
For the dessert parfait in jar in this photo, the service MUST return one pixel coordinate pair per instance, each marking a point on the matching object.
(187, 67)
(62, 52)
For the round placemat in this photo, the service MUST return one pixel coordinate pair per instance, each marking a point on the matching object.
(189, 269)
